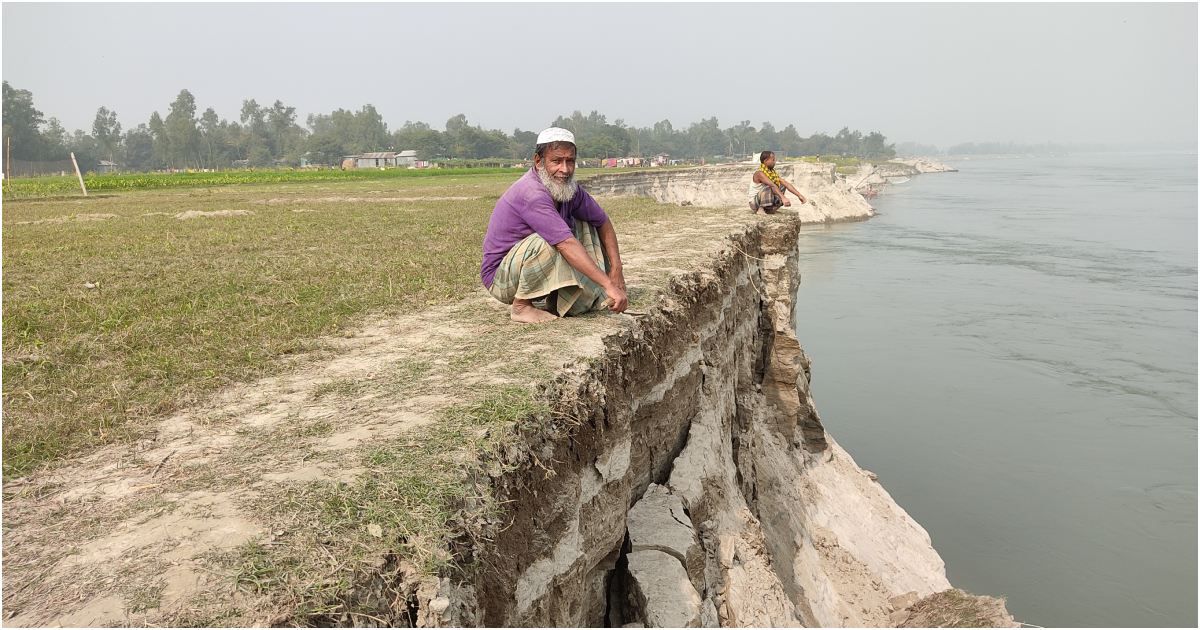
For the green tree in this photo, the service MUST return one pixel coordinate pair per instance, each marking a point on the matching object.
(182, 132)
(87, 150)
(286, 137)
(254, 141)
(324, 149)
(743, 137)
(662, 137)
(522, 144)
(139, 148)
(162, 142)
(768, 139)
(54, 141)
(429, 143)
(847, 142)
(107, 132)
(706, 139)
(875, 146)
(210, 138)
(324, 144)
(369, 131)
(789, 140)
(816, 144)
(22, 124)
(594, 135)
(459, 140)
(354, 132)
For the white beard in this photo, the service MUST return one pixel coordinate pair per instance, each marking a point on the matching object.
(561, 192)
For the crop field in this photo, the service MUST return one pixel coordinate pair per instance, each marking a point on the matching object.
(845, 165)
(122, 307)
(35, 187)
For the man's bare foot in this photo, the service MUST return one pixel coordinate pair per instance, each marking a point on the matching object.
(525, 312)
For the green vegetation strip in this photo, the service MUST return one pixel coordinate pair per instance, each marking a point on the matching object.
(117, 312)
(32, 187)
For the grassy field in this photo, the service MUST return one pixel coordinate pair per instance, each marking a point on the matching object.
(120, 308)
(40, 187)
(100, 184)
(845, 165)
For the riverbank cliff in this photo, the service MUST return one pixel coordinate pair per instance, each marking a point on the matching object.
(666, 467)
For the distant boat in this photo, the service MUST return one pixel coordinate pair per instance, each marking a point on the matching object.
(897, 180)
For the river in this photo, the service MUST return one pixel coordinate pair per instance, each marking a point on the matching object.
(1012, 349)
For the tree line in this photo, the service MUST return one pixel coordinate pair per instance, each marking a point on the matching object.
(271, 136)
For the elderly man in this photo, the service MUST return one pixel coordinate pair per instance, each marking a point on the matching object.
(767, 187)
(548, 238)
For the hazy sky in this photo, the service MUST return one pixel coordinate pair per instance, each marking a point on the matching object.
(933, 73)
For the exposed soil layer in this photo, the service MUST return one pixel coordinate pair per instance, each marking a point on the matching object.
(698, 486)
(831, 196)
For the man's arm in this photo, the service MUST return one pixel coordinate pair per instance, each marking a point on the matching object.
(577, 257)
(789, 186)
(612, 252)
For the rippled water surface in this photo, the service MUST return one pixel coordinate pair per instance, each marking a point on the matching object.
(1012, 348)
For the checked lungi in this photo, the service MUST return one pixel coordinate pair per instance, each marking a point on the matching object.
(765, 199)
(533, 268)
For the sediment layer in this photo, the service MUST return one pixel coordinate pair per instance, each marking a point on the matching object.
(831, 197)
(698, 487)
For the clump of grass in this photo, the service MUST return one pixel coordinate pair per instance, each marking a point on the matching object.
(255, 568)
(206, 611)
(954, 608)
(315, 429)
(406, 376)
(143, 597)
(342, 387)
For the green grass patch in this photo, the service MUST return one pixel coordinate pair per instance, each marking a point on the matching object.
(131, 314)
(31, 187)
(844, 164)
(338, 387)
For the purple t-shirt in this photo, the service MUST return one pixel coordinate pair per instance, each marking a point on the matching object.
(526, 208)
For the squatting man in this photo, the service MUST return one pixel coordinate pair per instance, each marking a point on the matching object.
(768, 191)
(549, 238)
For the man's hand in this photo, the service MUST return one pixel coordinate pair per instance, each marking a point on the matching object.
(617, 300)
(787, 202)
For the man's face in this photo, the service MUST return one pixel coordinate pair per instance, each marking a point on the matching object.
(558, 162)
(770, 162)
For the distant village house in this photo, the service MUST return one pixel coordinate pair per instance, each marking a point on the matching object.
(381, 159)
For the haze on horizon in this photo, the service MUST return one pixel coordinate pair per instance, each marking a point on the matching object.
(932, 73)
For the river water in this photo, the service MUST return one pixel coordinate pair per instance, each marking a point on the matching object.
(1012, 349)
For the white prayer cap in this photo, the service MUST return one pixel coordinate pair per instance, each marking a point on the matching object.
(555, 134)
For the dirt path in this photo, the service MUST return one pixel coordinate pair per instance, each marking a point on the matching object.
(175, 529)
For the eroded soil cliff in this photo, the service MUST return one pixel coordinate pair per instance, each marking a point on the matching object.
(451, 468)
